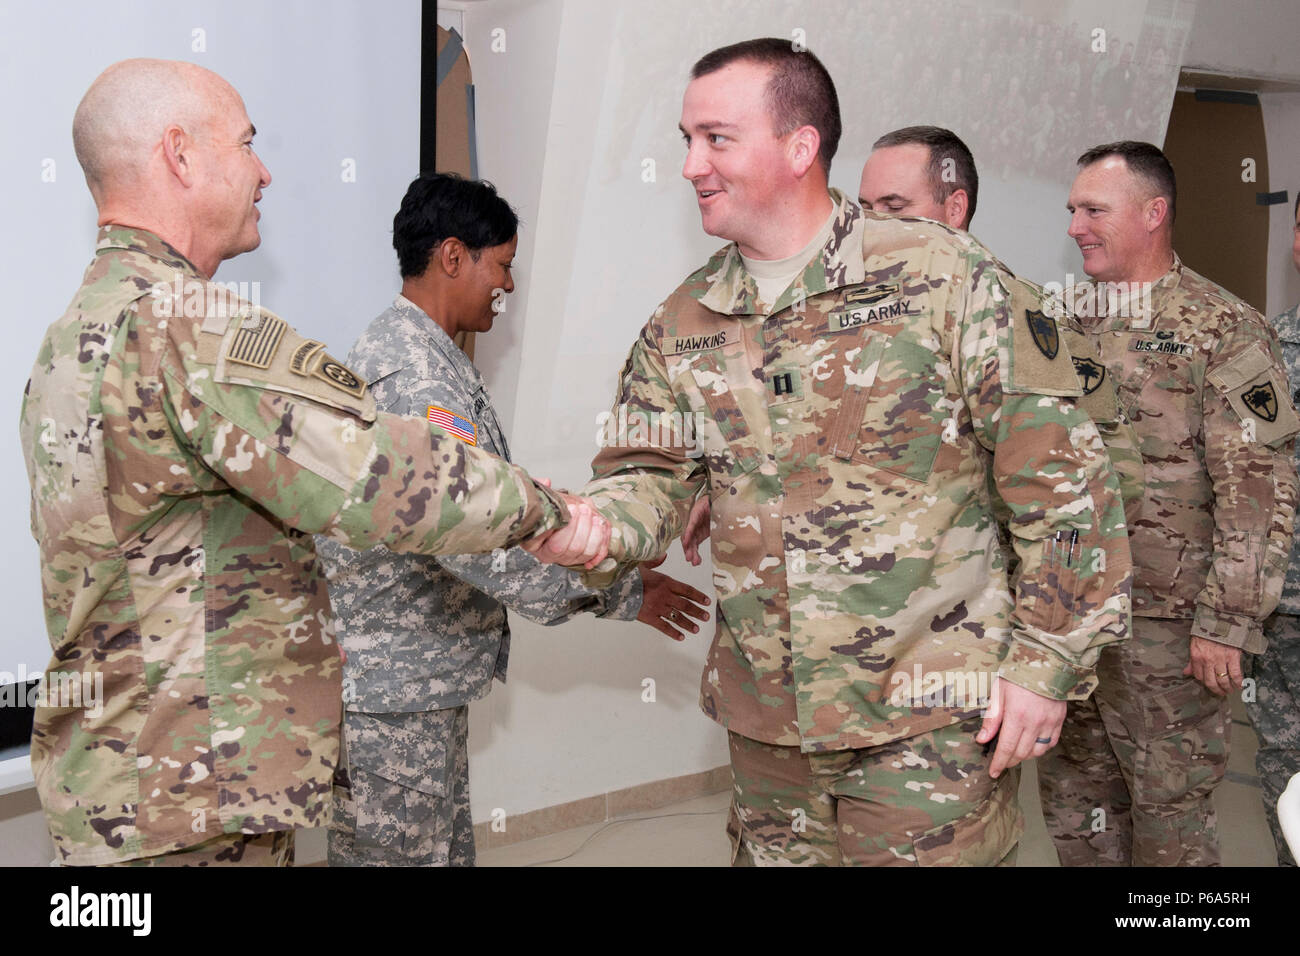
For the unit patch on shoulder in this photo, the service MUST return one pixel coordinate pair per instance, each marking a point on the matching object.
(1262, 400)
(453, 424)
(1043, 330)
(257, 339)
(1091, 374)
(306, 356)
(340, 376)
(1254, 389)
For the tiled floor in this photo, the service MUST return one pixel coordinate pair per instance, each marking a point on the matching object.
(691, 833)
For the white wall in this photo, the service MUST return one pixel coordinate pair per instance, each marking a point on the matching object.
(582, 100)
(1282, 130)
(323, 80)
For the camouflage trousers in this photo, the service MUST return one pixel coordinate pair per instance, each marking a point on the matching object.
(230, 849)
(1275, 713)
(1132, 780)
(924, 801)
(408, 804)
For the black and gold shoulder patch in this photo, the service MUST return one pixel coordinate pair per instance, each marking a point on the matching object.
(1262, 400)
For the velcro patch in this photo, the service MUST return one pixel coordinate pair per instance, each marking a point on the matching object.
(257, 339)
(340, 376)
(1161, 346)
(306, 356)
(1040, 361)
(871, 296)
(784, 387)
(1254, 389)
(696, 343)
(868, 315)
(453, 424)
(1099, 401)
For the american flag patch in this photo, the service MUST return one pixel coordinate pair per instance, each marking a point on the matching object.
(462, 428)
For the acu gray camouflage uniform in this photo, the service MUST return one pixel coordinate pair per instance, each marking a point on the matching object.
(425, 636)
(182, 448)
(1275, 712)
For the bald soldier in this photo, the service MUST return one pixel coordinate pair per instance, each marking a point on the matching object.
(183, 446)
(855, 379)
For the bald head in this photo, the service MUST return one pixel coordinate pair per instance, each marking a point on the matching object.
(123, 115)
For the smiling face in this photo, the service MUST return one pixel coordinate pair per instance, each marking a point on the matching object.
(1111, 221)
(230, 181)
(740, 169)
(483, 284)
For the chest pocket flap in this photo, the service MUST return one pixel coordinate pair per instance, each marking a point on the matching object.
(734, 449)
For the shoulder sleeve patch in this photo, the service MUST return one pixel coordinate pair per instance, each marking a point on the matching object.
(1039, 358)
(1099, 401)
(263, 351)
(1255, 390)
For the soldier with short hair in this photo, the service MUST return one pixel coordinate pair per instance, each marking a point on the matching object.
(1201, 375)
(182, 446)
(857, 379)
(1275, 711)
(426, 635)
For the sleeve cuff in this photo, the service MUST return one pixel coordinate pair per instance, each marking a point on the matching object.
(1046, 674)
(1233, 630)
(622, 601)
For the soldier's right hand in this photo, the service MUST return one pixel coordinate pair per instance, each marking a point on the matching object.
(583, 541)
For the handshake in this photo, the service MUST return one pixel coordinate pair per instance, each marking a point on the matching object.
(583, 541)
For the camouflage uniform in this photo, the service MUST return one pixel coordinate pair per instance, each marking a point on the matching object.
(1201, 375)
(182, 446)
(1275, 712)
(425, 636)
(847, 434)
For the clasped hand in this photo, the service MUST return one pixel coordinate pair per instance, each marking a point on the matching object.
(583, 541)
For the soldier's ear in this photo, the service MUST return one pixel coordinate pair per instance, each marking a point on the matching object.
(1157, 211)
(954, 209)
(452, 256)
(804, 145)
(178, 154)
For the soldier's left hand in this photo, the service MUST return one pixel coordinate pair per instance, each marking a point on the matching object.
(668, 604)
(1026, 724)
(1215, 665)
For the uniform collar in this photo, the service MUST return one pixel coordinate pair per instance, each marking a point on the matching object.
(420, 325)
(733, 291)
(112, 236)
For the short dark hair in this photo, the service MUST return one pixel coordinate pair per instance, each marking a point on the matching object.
(799, 93)
(1145, 161)
(945, 147)
(440, 206)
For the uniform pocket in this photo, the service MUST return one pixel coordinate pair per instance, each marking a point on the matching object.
(983, 837)
(399, 776)
(1187, 750)
(894, 408)
(729, 445)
